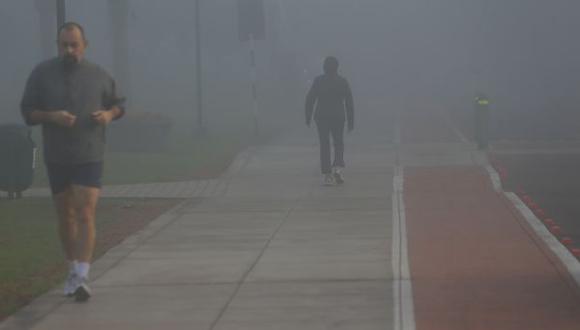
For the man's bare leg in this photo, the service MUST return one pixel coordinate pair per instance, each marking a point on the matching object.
(85, 205)
(67, 224)
(76, 208)
(68, 232)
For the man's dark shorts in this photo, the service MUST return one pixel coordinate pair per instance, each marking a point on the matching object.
(61, 176)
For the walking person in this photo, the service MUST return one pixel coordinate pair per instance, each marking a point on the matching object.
(329, 101)
(73, 99)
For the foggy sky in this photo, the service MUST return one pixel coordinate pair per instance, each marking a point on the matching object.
(401, 53)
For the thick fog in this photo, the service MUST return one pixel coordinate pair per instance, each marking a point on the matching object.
(399, 55)
(160, 74)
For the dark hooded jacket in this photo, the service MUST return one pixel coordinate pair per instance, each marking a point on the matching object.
(332, 96)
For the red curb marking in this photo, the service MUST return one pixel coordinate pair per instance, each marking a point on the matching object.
(549, 222)
(556, 230)
(567, 241)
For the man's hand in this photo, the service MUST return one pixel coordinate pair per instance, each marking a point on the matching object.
(62, 118)
(102, 117)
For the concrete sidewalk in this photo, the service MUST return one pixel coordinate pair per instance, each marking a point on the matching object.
(268, 247)
(274, 250)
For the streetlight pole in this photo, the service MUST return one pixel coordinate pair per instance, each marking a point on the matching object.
(60, 13)
(252, 27)
(254, 73)
(119, 15)
(198, 75)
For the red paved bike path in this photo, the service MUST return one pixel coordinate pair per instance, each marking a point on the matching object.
(475, 263)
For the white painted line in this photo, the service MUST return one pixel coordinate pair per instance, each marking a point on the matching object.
(568, 259)
(495, 180)
(403, 307)
(396, 263)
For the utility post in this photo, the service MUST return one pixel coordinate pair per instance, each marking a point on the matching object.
(60, 13)
(47, 12)
(252, 27)
(198, 70)
(120, 44)
(254, 73)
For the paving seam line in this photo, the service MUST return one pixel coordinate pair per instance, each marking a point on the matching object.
(32, 314)
(236, 166)
(142, 236)
(403, 307)
(241, 282)
(569, 261)
(233, 283)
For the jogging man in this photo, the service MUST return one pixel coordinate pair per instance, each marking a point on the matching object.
(73, 99)
(333, 98)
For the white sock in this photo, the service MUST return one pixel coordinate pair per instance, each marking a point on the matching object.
(82, 269)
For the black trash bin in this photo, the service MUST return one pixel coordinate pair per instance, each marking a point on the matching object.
(17, 159)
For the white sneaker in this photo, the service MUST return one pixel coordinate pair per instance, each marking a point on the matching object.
(337, 173)
(328, 180)
(82, 292)
(71, 283)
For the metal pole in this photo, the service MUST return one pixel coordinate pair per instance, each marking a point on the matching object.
(60, 13)
(119, 30)
(254, 83)
(198, 62)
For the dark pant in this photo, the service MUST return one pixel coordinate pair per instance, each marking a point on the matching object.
(61, 176)
(325, 130)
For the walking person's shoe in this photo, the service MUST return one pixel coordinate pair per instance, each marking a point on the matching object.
(82, 292)
(328, 179)
(337, 174)
(71, 283)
